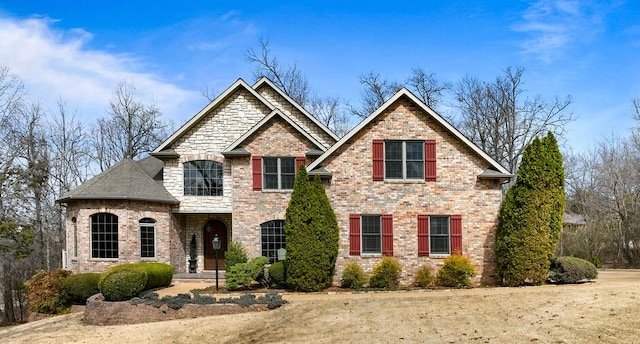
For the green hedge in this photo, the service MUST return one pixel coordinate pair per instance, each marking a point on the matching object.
(122, 284)
(456, 272)
(277, 274)
(353, 277)
(158, 274)
(76, 289)
(386, 274)
(424, 278)
(568, 270)
(243, 274)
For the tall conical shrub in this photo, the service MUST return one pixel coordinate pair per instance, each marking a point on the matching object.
(530, 218)
(311, 230)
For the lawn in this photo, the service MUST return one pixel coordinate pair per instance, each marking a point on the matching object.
(606, 311)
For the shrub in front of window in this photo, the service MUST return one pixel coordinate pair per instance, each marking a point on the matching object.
(45, 292)
(456, 272)
(76, 289)
(277, 274)
(424, 277)
(158, 274)
(568, 270)
(530, 217)
(122, 284)
(244, 274)
(353, 277)
(311, 229)
(386, 274)
(235, 254)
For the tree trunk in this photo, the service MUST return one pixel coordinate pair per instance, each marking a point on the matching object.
(7, 292)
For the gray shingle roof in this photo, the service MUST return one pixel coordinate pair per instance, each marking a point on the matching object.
(127, 180)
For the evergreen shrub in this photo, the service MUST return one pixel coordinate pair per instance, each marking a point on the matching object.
(569, 270)
(424, 278)
(277, 274)
(122, 284)
(353, 277)
(45, 292)
(244, 274)
(76, 289)
(158, 274)
(456, 272)
(386, 274)
(235, 254)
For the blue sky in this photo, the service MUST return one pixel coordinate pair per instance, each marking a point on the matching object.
(79, 51)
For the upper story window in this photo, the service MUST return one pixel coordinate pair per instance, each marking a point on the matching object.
(274, 173)
(404, 160)
(147, 238)
(203, 178)
(104, 235)
(278, 173)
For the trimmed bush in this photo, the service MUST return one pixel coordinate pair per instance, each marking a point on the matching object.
(596, 261)
(386, 274)
(45, 292)
(76, 289)
(244, 274)
(235, 254)
(353, 277)
(456, 272)
(568, 270)
(424, 277)
(122, 284)
(277, 274)
(158, 274)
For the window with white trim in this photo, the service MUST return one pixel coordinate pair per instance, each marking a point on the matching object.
(404, 159)
(439, 235)
(278, 173)
(147, 238)
(371, 232)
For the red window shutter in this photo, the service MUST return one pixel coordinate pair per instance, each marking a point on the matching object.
(387, 235)
(378, 160)
(456, 234)
(354, 234)
(256, 162)
(300, 160)
(423, 235)
(430, 160)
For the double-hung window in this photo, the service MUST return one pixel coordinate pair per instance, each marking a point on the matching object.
(278, 173)
(371, 234)
(404, 159)
(439, 235)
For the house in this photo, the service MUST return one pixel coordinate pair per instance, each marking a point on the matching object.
(403, 183)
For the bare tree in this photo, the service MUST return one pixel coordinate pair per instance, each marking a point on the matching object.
(289, 78)
(209, 93)
(375, 92)
(130, 129)
(502, 120)
(328, 111)
(429, 89)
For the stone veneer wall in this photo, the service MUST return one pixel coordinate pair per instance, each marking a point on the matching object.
(205, 141)
(194, 224)
(252, 208)
(457, 191)
(129, 214)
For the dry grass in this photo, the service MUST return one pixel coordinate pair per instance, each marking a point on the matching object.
(607, 311)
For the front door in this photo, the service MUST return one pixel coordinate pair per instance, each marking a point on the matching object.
(212, 228)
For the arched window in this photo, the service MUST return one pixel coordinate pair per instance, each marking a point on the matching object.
(147, 238)
(273, 239)
(104, 235)
(203, 178)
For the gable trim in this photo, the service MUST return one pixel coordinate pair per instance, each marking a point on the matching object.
(266, 120)
(406, 93)
(213, 104)
(265, 80)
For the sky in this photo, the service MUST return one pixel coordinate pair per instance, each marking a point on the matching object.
(78, 51)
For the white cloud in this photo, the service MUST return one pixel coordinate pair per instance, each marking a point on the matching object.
(58, 64)
(554, 25)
